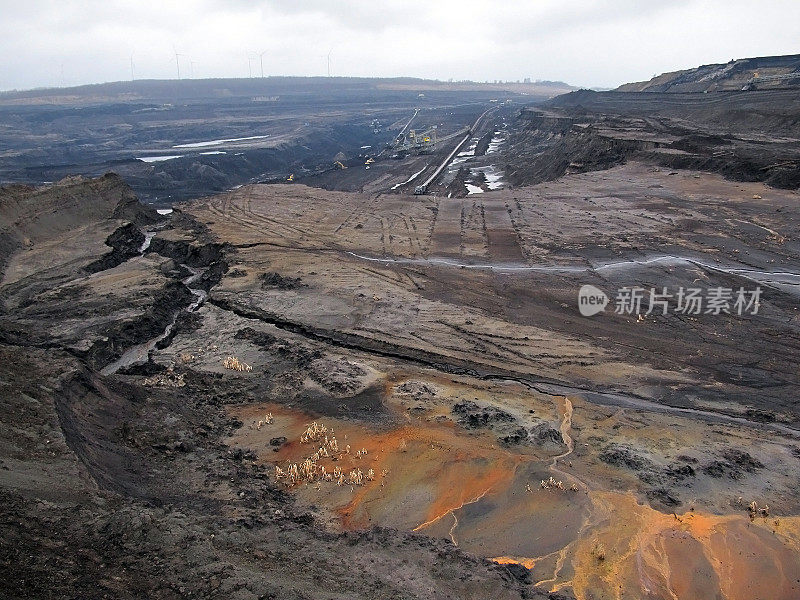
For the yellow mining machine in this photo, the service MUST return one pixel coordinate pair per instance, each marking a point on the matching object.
(419, 142)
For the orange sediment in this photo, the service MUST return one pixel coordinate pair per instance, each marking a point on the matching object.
(431, 460)
(446, 469)
(599, 545)
(634, 551)
(528, 563)
(646, 553)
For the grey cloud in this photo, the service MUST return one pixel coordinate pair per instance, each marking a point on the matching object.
(585, 42)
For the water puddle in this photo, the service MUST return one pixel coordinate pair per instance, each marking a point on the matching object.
(220, 142)
(787, 281)
(148, 237)
(492, 177)
(152, 159)
(140, 352)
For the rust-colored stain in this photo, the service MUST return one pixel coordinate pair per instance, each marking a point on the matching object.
(624, 550)
(528, 563)
(635, 551)
(448, 468)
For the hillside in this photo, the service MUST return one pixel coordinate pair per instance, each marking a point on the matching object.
(31, 216)
(767, 72)
(742, 135)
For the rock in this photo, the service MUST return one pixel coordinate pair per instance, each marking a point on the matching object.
(735, 464)
(125, 242)
(517, 436)
(419, 390)
(662, 496)
(339, 377)
(274, 280)
(169, 268)
(473, 416)
(717, 469)
(624, 456)
(519, 572)
(544, 434)
(184, 446)
(742, 459)
(679, 472)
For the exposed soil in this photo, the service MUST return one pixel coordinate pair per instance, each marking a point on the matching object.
(745, 136)
(763, 72)
(492, 441)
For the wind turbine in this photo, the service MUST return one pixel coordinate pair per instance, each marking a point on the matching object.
(177, 61)
(133, 69)
(261, 59)
(329, 61)
(249, 56)
(191, 68)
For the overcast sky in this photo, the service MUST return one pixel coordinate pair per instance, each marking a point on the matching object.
(593, 43)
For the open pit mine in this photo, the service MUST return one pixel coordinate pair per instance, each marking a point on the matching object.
(360, 364)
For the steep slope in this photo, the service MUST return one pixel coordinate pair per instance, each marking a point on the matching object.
(767, 72)
(744, 135)
(31, 215)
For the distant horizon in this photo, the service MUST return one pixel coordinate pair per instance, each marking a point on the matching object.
(521, 82)
(518, 81)
(586, 43)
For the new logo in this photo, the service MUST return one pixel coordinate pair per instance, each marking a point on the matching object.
(591, 300)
